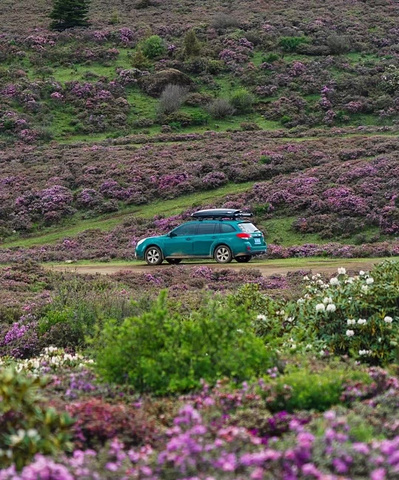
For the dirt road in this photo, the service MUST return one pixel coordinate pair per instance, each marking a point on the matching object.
(271, 267)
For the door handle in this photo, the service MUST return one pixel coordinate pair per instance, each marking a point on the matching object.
(188, 239)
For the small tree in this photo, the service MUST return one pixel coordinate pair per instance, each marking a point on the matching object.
(192, 46)
(69, 13)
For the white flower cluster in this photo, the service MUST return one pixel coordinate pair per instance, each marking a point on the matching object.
(51, 359)
(364, 352)
(19, 437)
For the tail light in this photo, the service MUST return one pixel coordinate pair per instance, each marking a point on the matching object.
(243, 235)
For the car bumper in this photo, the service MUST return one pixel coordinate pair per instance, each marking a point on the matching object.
(253, 251)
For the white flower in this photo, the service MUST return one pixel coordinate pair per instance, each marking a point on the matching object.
(290, 319)
(300, 301)
(364, 352)
(388, 319)
(349, 280)
(261, 317)
(364, 288)
(306, 277)
(341, 271)
(361, 273)
(334, 281)
(309, 346)
(320, 307)
(362, 321)
(327, 300)
(331, 307)
(350, 321)
(350, 333)
(370, 280)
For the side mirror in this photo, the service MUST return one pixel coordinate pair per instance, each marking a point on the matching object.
(172, 234)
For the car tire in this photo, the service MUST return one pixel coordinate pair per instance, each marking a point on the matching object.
(153, 255)
(222, 254)
(173, 261)
(244, 259)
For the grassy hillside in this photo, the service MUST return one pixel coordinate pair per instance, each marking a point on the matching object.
(287, 108)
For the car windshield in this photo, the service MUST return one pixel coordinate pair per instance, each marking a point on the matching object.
(247, 227)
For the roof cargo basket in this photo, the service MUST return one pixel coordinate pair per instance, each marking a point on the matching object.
(220, 213)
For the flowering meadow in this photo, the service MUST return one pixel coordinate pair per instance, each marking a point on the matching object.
(317, 397)
(121, 130)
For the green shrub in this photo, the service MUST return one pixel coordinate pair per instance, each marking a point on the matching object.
(272, 57)
(153, 46)
(27, 427)
(53, 317)
(162, 353)
(242, 101)
(139, 60)
(265, 159)
(192, 46)
(290, 44)
(199, 118)
(307, 390)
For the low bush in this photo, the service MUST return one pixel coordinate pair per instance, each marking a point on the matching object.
(98, 422)
(290, 44)
(27, 427)
(220, 108)
(153, 46)
(171, 99)
(307, 390)
(242, 101)
(163, 353)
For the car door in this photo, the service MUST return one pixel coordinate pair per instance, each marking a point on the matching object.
(203, 240)
(180, 241)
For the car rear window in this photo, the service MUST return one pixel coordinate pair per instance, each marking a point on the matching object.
(247, 227)
(225, 228)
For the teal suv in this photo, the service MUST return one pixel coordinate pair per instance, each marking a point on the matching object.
(222, 234)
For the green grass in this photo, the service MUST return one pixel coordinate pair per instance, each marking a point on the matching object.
(279, 231)
(108, 222)
(306, 263)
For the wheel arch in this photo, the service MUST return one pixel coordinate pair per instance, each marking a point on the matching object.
(154, 245)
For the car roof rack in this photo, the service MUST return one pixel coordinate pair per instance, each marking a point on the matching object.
(220, 213)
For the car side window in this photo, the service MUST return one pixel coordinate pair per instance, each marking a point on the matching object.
(206, 228)
(226, 228)
(187, 229)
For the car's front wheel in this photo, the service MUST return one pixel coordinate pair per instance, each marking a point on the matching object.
(244, 259)
(222, 254)
(153, 256)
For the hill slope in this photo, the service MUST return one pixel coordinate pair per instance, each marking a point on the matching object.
(287, 95)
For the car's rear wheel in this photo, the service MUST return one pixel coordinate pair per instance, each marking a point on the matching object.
(153, 256)
(243, 259)
(222, 254)
(173, 261)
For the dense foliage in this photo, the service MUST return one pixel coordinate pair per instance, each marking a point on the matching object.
(293, 393)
